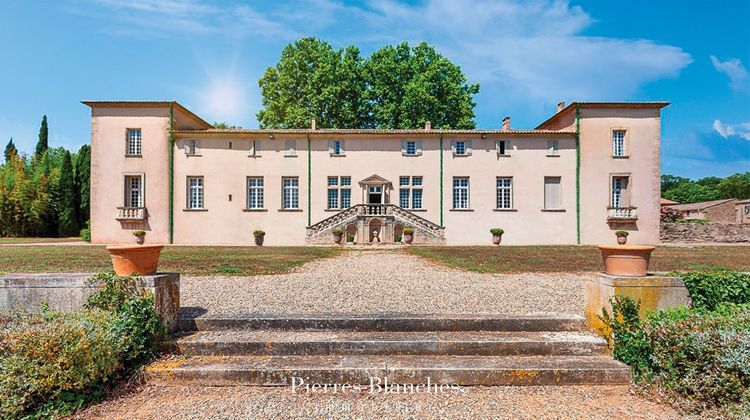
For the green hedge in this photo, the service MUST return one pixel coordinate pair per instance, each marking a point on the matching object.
(709, 289)
(53, 363)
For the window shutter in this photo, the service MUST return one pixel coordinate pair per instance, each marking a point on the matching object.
(187, 147)
(331, 146)
(453, 147)
(552, 193)
(342, 143)
(419, 147)
(468, 147)
(252, 149)
(197, 147)
(403, 147)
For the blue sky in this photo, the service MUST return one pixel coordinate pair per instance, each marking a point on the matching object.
(526, 55)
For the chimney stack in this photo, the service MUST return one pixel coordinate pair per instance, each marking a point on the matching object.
(506, 123)
(314, 125)
(428, 126)
(560, 106)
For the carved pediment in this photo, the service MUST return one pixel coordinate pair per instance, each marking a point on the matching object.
(375, 180)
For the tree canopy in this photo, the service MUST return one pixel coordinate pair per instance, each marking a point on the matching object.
(685, 191)
(396, 87)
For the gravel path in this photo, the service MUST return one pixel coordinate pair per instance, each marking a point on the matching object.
(605, 402)
(382, 281)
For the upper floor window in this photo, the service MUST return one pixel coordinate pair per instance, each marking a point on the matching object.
(255, 193)
(192, 147)
(618, 143)
(553, 148)
(290, 193)
(290, 148)
(336, 148)
(134, 147)
(501, 147)
(134, 191)
(410, 192)
(460, 192)
(504, 193)
(552, 195)
(339, 192)
(459, 148)
(195, 192)
(411, 147)
(254, 150)
(619, 197)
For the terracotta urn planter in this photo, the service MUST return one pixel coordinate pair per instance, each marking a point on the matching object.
(622, 240)
(259, 240)
(408, 238)
(496, 239)
(337, 238)
(129, 259)
(140, 239)
(626, 260)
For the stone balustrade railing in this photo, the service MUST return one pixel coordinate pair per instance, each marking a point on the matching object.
(622, 213)
(131, 213)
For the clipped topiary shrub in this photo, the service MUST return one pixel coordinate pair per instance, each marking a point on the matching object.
(710, 288)
(86, 232)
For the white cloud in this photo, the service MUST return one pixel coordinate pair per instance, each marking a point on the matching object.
(739, 77)
(727, 130)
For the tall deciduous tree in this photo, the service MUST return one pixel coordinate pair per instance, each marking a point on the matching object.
(409, 86)
(10, 149)
(312, 80)
(43, 143)
(83, 183)
(68, 223)
(735, 186)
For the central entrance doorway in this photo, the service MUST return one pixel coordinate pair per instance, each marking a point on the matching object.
(375, 195)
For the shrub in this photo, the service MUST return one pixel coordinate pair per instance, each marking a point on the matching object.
(622, 233)
(139, 233)
(496, 231)
(670, 215)
(259, 233)
(53, 363)
(350, 238)
(408, 231)
(86, 232)
(710, 288)
(337, 232)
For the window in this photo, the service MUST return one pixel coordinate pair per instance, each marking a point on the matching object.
(460, 193)
(619, 195)
(553, 148)
(618, 143)
(460, 148)
(254, 150)
(134, 191)
(290, 148)
(134, 142)
(501, 147)
(339, 192)
(192, 148)
(504, 193)
(552, 195)
(290, 193)
(255, 193)
(411, 148)
(336, 147)
(195, 192)
(410, 192)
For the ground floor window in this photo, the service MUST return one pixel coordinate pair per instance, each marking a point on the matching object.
(290, 193)
(410, 192)
(460, 192)
(552, 194)
(618, 196)
(195, 192)
(504, 187)
(255, 192)
(134, 191)
(339, 192)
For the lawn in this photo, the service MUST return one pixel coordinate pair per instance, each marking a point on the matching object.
(195, 261)
(511, 259)
(37, 240)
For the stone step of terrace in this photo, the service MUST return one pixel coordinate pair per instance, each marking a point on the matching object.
(401, 369)
(388, 322)
(317, 343)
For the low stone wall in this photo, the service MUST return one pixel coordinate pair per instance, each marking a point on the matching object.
(67, 291)
(702, 233)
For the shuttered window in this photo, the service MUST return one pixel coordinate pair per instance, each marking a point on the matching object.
(552, 193)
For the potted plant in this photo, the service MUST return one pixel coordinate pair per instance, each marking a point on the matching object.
(259, 235)
(497, 235)
(140, 236)
(337, 235)
(350, 238)
(408, 235)
(622, 236)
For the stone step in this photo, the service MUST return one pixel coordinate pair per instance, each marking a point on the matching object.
(315, 343)
(461, 370)
(389, 322)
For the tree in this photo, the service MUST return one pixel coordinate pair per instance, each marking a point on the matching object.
(10, 149)
(68, 224)
(669, 182)
(225, 126)
(83, 183)
(735, 186)
(409, 86)
(710, 181)
(43, 143)
(690, 192)
(312, 80)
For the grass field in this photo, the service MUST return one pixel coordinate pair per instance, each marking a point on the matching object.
(196, 261)
(37, 240)
(511, 259)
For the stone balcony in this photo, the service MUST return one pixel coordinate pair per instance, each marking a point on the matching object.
(125, 214)
(622, 214)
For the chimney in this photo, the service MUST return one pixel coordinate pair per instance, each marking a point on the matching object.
(560, 106)
(314, 125)
(506, 123)
(428, 126)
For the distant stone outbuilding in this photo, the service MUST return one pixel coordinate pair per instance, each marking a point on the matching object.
(717, 211)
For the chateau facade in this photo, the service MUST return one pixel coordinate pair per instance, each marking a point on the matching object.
(589, 170)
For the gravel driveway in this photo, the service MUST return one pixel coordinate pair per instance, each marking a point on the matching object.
(382, 281)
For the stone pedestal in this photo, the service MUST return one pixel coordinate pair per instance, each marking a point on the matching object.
(655, 292)
(68, 291)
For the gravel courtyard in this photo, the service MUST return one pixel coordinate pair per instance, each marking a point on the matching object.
(380, 281)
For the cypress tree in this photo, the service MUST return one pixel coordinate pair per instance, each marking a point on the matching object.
(43, 143)
(83, 183)
(10, 149)
(68, 212)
